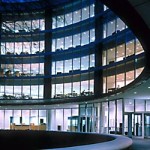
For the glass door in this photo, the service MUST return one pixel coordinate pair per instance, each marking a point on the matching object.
(128, 124)
(133, 124)
(137, 124)
(147, 125)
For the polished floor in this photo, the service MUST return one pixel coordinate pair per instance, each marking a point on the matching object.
(140, 144)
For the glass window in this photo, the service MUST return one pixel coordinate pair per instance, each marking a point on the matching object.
(112, 116)
(67, 125)
(60, 21)
(76, 40)
(104, 30)
(111, 28)
(67, 89)
(2, 119)
(92, 35)
(120, 54)
(53, 23)
(8, 116)
(59, 119)
(139, 48)
(17, 91)
(59, 67)
(34, 117)
(53, 68)
(119, 116)
(104, 58)
(25, 117)
(85, 63)
(129, 77)
(25, 91)
(42, 24)
(104, 82)
(34, 91)
(35, 24)
(85, 86)
(147, 105)
(60, 43)
(120, 80)
(85, 13)
(104, 118)
(76, 63)
(85, 38)
(111, 83)
(92, 60)
(120, 25)
(92, 11)
(42, 117)
(59, 89)
(129, 48)
(18, 47)
(53, 45)
(68, 19)
(76, 87)
(53, 90)
(17, 115)
(34, 69)
(68, 66)
(139, 71)
(111, 53)
(129, 105)
(9, 90)
(76, 16)
(91, 88)
(68, 42)
(139, 105)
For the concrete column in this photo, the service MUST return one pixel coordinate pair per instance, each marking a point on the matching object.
(98, 74)
(47, 58)
(51, 119)
(130, 125)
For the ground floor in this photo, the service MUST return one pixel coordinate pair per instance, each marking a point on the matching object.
(121, 116)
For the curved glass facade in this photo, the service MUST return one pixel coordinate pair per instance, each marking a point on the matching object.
(63, 47)
(77, 50)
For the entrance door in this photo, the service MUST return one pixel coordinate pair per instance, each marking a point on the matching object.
(85, 124)
(133, 124)
(137, 124)
(147, 125)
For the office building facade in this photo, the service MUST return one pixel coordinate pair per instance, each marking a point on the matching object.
(62, 67)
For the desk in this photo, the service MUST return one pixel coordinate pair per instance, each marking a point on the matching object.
(28, 127)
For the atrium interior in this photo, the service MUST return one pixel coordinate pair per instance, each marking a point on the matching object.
(76, 66)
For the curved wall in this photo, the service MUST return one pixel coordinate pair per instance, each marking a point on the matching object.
(62, 140)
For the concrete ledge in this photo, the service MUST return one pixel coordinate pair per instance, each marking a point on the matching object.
(40, 140)
(119, 143)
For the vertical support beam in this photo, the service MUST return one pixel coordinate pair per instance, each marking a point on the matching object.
(48, 59)
(98, 74)
(130, 125)
(143, 126)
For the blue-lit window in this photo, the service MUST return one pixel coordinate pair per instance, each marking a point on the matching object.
(112, 27)
(73, 17)
(73, 40)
